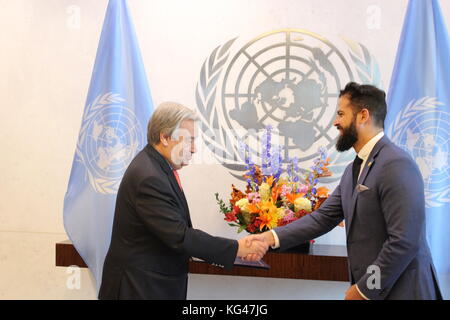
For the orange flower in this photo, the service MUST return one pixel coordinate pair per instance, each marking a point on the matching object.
(322, 192)
(319, 202)
(325, 171)
(266, 221)
(275, 193)
(269, 180)
(236, 195)
(268, 215)
(292, 196)
(253, 208)
(257, 176)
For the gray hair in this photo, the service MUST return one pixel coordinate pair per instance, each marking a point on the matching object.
(166, 119)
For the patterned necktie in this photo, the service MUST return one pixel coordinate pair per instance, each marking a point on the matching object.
(356, 168)
(175, 173)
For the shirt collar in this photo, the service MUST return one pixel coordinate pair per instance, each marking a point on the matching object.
(367, 149)
(153, 150)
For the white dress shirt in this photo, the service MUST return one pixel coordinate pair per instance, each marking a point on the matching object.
(367, 149)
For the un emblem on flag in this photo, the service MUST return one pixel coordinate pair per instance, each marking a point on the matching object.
(110, 137)
(422, 130)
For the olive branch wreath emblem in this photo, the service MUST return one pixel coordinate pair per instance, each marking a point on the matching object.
(100, 185)
(396, 131)
(365, 64)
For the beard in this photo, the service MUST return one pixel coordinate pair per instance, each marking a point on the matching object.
(348, 137)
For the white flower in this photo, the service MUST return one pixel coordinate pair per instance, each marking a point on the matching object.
(302, 204)
(243, 204)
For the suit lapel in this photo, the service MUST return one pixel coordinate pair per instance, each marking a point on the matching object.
(366, 170)
(186, 207)
(173, 181)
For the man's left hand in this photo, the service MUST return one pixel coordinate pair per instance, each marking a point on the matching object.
(353, 294)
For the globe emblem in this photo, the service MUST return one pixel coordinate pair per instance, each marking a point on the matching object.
(289, 79)
(426, 138)
(111, 137)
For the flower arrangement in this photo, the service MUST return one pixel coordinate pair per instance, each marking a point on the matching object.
(273, 196)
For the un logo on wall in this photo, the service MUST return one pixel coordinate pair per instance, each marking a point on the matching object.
(110, 137)
(422, 130)
(289, 79)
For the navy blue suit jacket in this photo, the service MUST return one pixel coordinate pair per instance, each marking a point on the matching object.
(385, 226)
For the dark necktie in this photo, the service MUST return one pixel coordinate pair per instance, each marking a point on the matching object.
(356, 168)
(175, 173)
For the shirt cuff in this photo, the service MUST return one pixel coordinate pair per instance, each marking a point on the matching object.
(362, 295)
(277, 241)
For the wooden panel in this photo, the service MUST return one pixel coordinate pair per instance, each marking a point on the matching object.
(67, 255)
(323, 262)
(286, 265)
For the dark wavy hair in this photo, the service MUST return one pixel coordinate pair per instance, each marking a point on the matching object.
(368, 97)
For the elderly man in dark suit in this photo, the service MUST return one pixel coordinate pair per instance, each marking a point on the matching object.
(152, 237)
(381, 198)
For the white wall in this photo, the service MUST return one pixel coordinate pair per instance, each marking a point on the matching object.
(46, 59)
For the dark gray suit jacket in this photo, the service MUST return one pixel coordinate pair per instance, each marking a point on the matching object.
(385, 226)
(152, 237)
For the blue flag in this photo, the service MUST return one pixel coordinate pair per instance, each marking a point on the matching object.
(113, 130)
(418, 118)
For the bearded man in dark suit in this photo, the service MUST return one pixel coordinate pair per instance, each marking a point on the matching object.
(381, 198)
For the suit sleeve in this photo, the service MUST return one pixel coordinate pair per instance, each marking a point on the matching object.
(402, 200)
(158, 209)
(313, 225)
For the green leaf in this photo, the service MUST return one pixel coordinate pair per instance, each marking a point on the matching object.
(242, 228)
(222, 206)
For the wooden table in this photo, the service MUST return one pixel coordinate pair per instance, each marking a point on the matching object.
(323, 262)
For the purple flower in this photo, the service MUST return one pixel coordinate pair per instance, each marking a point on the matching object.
(302, 188)
(293, 169)
(320, 161)
(276, 162)
(269, 164)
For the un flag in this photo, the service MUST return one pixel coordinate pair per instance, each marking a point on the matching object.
(113, 130)
(419, 118)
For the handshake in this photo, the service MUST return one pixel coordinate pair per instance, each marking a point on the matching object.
(254, 247)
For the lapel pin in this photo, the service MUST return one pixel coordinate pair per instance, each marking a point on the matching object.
(370, 163)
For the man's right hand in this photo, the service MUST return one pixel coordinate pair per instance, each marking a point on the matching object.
(251, 248)
(266, 238)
